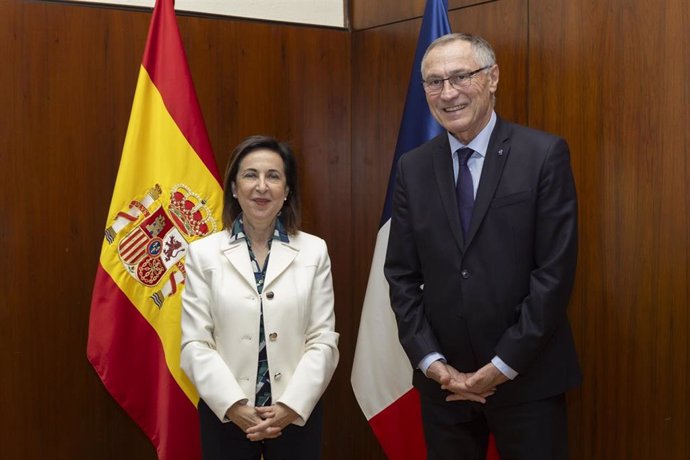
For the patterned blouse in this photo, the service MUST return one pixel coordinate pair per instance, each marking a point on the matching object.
(263, 382)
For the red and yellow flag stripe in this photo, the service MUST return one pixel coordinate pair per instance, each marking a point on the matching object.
(167, 194)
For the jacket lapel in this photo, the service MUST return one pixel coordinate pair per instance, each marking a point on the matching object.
(282, 255)
(495, 160)
(443, 170)
(237, 255)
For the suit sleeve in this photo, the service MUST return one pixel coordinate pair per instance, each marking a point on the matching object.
(543, 311)
(403, 272)
(320, 358)
(199, 359)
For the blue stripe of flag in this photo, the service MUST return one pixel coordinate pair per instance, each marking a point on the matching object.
(417, 125)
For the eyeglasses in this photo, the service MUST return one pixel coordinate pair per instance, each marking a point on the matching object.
(462, 80)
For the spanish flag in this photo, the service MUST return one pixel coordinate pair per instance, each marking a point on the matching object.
(167, 194)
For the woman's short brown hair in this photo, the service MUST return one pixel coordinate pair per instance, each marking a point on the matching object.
(290, 214)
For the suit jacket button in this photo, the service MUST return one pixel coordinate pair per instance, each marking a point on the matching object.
(273, 336)
(269, 295)
(465, 274)
(277, 376)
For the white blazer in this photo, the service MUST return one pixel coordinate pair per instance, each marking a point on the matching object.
(220, 322)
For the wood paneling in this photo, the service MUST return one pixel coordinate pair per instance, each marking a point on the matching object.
(65, 106)
(368, 14)
(612, 77)
(66, 92)
(609, 76)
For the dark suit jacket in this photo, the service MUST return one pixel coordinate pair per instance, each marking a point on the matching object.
(503, 290)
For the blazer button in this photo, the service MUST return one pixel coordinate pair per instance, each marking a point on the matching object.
(465, 274)
(273, 336)
(277, 376)
(269, 295)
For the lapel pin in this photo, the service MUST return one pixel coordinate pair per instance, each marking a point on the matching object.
(500, 152)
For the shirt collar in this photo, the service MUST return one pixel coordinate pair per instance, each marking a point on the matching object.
(237, 231)
(480, 144)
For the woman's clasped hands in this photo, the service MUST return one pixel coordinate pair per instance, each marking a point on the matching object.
(261, 422)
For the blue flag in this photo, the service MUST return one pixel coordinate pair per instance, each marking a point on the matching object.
(418, 125)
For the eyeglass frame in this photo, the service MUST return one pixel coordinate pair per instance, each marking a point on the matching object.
(464, 82)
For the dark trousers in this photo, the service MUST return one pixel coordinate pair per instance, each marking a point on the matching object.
(534, 430)
(227, 441)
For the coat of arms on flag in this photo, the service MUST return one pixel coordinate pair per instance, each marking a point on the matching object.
(154, 234)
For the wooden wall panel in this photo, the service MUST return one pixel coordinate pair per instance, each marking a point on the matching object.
(66, 92)
(612, 77)
(62, 131)
(367, 14)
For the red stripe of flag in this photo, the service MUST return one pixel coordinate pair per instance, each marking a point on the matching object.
(386, 425)
(138, 357)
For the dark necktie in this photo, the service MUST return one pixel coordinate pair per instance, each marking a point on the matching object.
(464, 189)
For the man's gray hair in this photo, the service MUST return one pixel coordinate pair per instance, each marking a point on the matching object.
(482, 49)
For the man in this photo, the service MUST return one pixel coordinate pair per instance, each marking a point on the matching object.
(481, 260)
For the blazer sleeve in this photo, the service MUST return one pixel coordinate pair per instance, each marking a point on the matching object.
(403, 272)
(320, 358)
(199, 359)
(543, 310)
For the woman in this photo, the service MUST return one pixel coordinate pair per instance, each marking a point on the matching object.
(258, 338)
